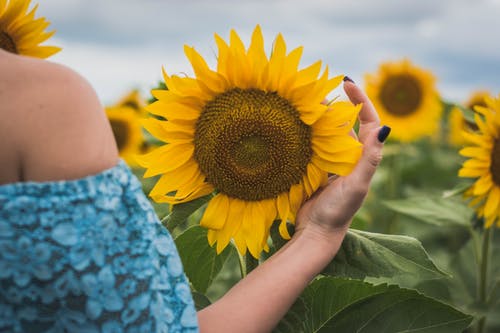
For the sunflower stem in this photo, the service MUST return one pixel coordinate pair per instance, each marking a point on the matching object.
(483, 276)
(493, 299)
(243, 268)
(170, 224)
(251, 263)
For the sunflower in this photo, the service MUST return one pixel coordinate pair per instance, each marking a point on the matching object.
(484, 162)
(134, 101)
(459, 123)
(127, 130)
(406, 99)
(255, 132)
(21, 33)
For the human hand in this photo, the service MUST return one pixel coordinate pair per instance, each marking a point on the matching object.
(332, 207)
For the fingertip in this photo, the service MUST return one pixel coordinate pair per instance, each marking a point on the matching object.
(353, 91)
(348, 79)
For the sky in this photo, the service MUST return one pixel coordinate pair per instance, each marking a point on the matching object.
(118, 45)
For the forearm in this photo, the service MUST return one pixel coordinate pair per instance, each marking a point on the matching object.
(258, 302)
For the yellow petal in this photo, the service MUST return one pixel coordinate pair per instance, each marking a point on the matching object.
(483, 184)
(480, 123)
(171, 181)
(338, 168)
(256, 54)
(253, 228)
(42, 51)
(335, 144)
(474, 138)
(308, 74)
(488, 222)
(3, 4)
(232, 224)
(15, 9)
(349, 156)
(256, 48)
(276, 63)
(470, 173)
(315, 177)
(332, 84)
(312, 113)
(235, 42)
(202, 71)
(289, 75)
(339, 119)
(172, 111)
(476, 152)
(296, 197)
(216, 213)
(240, 237)
(211, 236)
(200, 191)
(476, 164)
(166, 158)
(169, 97)
(168, 131)
(492, 203)
(270, 215)
(222, 56)
(283, 207)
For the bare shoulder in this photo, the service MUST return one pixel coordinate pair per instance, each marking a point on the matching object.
(53, 125)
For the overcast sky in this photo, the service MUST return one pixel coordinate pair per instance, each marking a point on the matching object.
(122, 44)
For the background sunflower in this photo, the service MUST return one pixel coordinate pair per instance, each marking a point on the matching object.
(484, 162)
(127, 130)
(133, 100)
(406, 99)
(21, 33)
(458, 123)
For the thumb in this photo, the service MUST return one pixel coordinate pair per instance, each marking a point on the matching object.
(370, 159)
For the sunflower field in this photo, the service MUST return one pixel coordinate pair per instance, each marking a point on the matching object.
(229, 155)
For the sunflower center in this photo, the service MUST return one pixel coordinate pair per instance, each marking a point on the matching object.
(471, 125)
(401, 95)
(7, 43)
(476, 102)
(251, 144)
(120, 131)
(131, 104)
(250, 152)
(495, 162)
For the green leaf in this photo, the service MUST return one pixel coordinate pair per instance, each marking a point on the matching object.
(201, 262)
(181, 212)
(458, 189)
(433, 210)
(365, 254)
(339, 305)
(467, 113)
(200, 301)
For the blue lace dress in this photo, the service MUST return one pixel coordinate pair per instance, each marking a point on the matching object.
(89, 255)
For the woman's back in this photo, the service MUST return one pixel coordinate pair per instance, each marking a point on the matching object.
(81, 248)
(48, 113)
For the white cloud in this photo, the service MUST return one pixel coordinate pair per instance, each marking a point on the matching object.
(117, 44)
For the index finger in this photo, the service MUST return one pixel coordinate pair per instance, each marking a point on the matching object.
(368, 117)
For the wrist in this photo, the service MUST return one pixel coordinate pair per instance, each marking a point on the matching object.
(322, 242)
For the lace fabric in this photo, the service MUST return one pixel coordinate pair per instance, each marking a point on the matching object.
(89, 255)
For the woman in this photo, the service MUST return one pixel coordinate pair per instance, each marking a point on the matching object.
(81, 248)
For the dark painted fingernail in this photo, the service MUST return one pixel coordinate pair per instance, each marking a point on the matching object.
(347, 78)
(383, 133)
